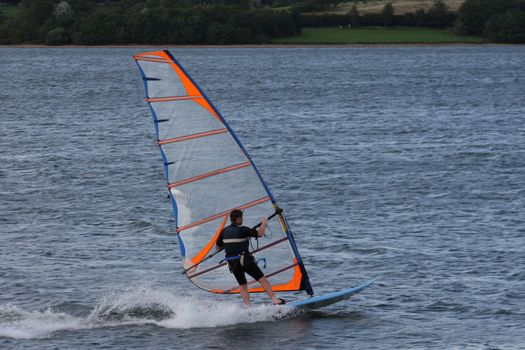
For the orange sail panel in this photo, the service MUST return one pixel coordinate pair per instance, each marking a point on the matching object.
(209, 173)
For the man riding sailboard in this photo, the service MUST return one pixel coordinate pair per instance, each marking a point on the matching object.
(234, 239)
(190, 132)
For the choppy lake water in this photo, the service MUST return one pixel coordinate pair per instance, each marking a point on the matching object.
(403, 163)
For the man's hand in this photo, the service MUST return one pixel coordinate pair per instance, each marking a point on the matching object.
(262, 228)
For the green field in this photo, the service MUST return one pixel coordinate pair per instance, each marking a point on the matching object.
(10, 10)
(377, 35)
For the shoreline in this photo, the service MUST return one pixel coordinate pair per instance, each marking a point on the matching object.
(248, 46)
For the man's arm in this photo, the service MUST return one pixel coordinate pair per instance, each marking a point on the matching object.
(219, 243)
(262, 228)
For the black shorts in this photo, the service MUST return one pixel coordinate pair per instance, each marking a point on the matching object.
(249, 266)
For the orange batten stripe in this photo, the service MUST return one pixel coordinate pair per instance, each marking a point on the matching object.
(235, 289)
(172, 98)
(193, 136)
(216, 216)
(209, 174)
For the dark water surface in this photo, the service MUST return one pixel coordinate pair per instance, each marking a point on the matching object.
(403, 163)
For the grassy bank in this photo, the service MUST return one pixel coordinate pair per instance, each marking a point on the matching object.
(377, 36)
(400, 6)
(10, 10)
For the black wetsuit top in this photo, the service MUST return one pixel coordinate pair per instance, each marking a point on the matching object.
(235, 239)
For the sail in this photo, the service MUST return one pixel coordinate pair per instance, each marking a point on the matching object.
(209, 173)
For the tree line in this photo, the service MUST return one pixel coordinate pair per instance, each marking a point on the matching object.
(99, 22)
(89, 22)
(437, 17)
(497, 20)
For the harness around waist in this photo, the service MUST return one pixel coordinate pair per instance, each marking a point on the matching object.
(235, 257)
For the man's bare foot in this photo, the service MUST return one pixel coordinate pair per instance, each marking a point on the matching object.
(279, 301)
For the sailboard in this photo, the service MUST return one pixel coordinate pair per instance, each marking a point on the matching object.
(319, 301)
(209, 173)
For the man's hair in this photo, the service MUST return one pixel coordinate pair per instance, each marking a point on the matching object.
(236, 213)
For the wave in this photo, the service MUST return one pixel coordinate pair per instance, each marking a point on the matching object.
(20, 324)
(135, 306)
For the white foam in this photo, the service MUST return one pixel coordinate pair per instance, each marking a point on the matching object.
(19, 324)
(137, 305)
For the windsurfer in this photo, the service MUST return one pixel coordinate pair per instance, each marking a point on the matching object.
(235, 241)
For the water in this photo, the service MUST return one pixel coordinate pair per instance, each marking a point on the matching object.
(403, 163)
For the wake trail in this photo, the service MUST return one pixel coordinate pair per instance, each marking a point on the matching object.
(135, 306)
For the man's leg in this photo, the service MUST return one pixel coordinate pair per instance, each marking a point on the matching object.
(253, 270)
(268, 288)
(238, 272)
(245, 295)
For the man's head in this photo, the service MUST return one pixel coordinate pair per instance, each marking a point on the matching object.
(236, 216)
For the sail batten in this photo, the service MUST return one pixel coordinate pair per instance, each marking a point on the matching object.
(219, 215)
(221, 264)
(210, 173)
(149, 59)
(193, 136)
(170, 98)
